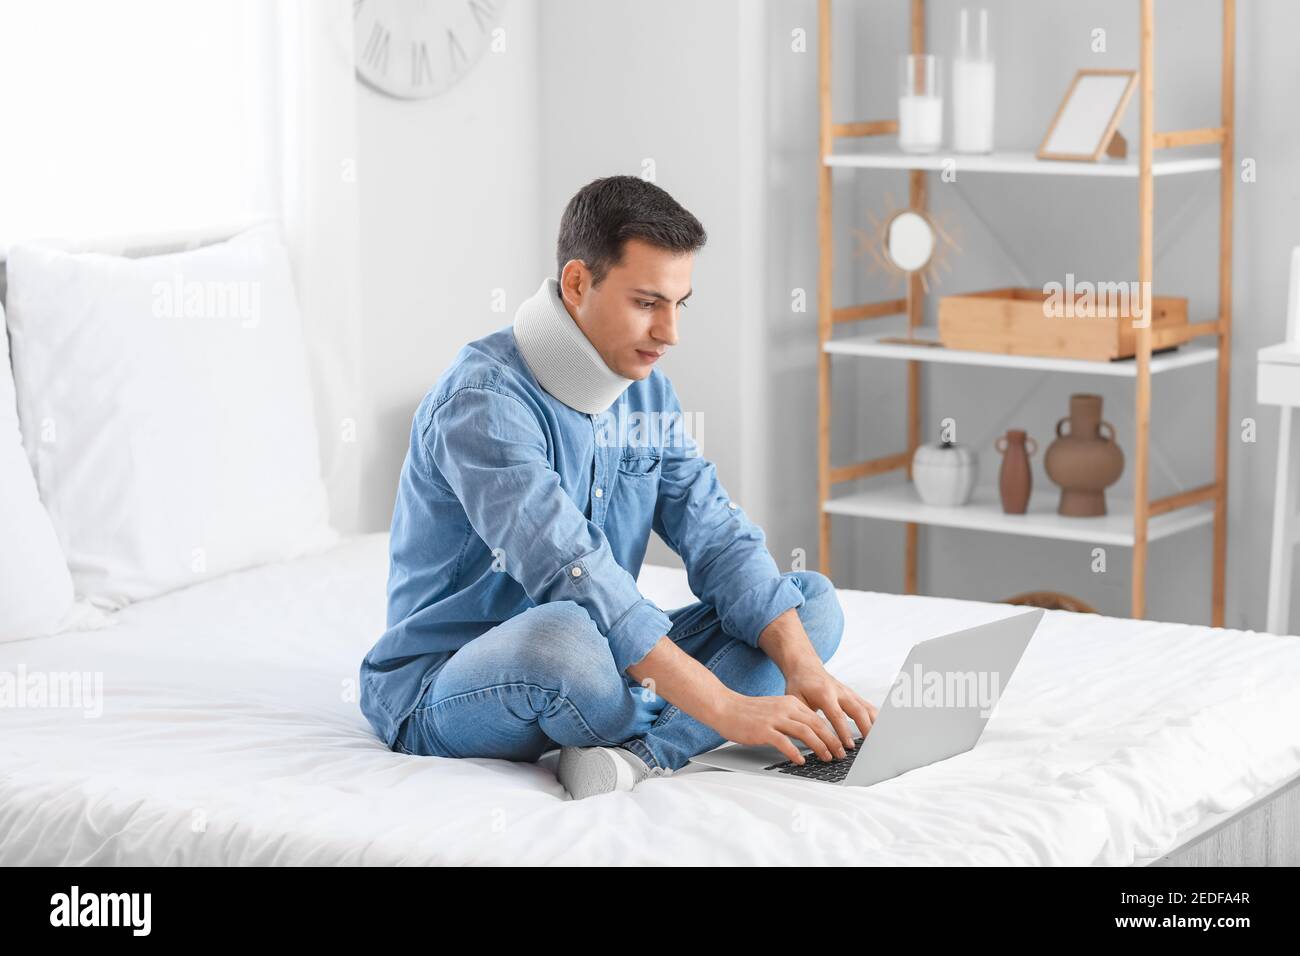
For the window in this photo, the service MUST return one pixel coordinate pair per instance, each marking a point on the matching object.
(133, 116)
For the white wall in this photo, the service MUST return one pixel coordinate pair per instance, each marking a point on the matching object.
(677, 84)
(1268, 214)
(449, 212)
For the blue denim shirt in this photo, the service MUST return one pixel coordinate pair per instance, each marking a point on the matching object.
(509, 498)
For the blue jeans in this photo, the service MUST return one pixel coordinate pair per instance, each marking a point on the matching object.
(547, 677)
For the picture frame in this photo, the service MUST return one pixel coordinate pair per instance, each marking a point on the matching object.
(1085, 126)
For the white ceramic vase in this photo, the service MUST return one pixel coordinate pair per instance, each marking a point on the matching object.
(944, 474)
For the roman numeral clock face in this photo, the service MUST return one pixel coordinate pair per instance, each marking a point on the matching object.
(419, 48)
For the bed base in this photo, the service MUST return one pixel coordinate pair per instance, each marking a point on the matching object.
(1265, 832)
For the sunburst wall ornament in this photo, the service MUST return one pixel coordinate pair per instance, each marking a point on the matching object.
(906, 242)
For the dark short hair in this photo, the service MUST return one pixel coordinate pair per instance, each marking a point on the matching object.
(606, 213)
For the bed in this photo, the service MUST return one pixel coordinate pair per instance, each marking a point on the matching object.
(229, 733)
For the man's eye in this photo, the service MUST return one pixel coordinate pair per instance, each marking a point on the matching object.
(645, 303)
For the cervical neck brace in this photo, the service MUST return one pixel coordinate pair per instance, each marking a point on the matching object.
(564, 362)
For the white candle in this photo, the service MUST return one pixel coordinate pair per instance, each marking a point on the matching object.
(920, 123)
(972, 106)
(972, 90)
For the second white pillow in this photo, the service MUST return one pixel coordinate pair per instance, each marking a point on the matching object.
(166, 411)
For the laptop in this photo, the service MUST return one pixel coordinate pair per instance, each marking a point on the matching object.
(937, 708)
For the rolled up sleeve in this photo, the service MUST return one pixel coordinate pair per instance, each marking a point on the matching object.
(726, 557)
(493, 455)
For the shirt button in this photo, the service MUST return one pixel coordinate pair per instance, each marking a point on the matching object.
(577, 571)
(731, 505)
(599, 493)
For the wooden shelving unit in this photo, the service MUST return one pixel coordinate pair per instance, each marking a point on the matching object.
(1132, 524)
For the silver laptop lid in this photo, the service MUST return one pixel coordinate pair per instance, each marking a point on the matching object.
(942, 698)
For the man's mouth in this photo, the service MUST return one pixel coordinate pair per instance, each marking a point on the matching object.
(648, 356)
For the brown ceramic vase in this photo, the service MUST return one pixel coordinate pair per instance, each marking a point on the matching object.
(1015, 480)
(1086, 461)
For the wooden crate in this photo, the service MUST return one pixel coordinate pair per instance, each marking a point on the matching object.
(1015, 322)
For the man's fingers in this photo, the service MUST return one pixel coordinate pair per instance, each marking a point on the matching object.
(828, 734)
(808, 714)
(872, 709)
(862, 712)
(782, 743)
(833, 727)
(809, 736)
(841, 723)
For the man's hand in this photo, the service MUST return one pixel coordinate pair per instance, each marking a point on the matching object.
(689, 685)
(773, 721)
(816, 688)
(807, 680)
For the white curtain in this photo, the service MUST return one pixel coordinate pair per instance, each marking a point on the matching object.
(315, 160)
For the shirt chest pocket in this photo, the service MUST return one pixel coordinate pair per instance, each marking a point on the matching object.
(636, 490)
(639, 465)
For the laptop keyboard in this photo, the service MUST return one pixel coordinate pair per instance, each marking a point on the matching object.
(828, 771)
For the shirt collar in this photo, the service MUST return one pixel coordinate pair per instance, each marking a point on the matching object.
(560, 355)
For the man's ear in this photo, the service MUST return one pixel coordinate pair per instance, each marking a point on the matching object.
(575, 280)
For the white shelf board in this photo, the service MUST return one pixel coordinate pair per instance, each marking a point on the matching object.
(1284, 353)
(1019, 162)
(870, 346)
(898, 501)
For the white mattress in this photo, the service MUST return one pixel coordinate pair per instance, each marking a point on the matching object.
(230, 735)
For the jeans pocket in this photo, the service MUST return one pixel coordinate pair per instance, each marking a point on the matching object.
(423, 740)
(403, 730)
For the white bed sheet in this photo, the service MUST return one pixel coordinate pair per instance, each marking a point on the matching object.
(230, 735)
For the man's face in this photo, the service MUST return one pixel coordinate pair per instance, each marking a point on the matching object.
(631, 317)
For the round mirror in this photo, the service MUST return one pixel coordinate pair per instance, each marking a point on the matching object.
(909, 241)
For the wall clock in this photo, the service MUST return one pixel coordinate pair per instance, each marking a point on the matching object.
(414, 49)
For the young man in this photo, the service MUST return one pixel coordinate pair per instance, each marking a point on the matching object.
(522, 518)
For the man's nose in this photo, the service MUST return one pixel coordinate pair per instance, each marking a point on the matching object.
(665, 328)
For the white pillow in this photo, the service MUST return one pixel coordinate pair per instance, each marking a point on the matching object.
(166, 412)
(36, 595)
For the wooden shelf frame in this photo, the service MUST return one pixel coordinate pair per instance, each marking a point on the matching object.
(886, 502)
